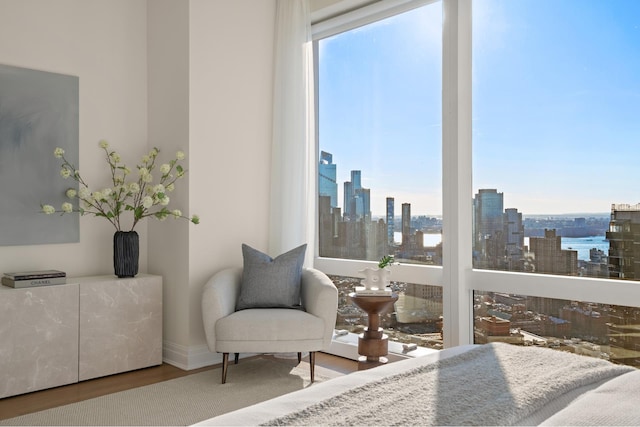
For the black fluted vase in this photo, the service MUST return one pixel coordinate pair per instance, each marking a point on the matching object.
(126, 249)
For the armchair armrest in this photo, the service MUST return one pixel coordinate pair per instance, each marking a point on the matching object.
(320, 298)
(219, 297)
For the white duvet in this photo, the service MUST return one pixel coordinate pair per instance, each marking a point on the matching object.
(495, 384)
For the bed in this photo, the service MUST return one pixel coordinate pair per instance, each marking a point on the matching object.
(492, 384)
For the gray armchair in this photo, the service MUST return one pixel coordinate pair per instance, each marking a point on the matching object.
(268, 330)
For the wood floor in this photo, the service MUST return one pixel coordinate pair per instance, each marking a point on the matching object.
(40, 400)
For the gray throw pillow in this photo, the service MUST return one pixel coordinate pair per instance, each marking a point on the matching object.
(268, 282)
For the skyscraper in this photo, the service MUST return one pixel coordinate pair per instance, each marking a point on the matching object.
(514, 237)
(357, 200)
(624, 241)
(406, 225)
(488, 222)
(390, 211)
(550, 257)
(327, 184)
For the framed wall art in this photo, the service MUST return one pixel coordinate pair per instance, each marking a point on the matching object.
(38, 112)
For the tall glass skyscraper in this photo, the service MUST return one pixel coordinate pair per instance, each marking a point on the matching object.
(357, 200)
(327, 178)
(390, 210)
(488, 207)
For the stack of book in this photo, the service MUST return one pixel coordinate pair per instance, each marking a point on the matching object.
(362, 291)
(29, 279)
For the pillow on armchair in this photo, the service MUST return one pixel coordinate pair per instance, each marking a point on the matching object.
(269, 282)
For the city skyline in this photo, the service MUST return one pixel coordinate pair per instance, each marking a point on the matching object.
(545, 130)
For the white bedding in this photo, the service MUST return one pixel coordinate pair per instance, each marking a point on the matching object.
(530, 406)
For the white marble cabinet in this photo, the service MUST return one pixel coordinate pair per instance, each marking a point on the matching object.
(38, 338)
(87, 328)
(120, 324)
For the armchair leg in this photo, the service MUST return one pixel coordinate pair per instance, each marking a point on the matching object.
(235, 358)
(225, 365)
(312, 363)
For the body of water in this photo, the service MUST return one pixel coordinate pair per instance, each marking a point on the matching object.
(584, 244)
(580, 244)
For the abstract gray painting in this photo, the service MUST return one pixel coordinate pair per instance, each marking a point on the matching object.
(38, 112)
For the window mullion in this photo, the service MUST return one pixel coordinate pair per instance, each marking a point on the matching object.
(457, 184)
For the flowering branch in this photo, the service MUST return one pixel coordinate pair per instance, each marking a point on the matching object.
(139, 196)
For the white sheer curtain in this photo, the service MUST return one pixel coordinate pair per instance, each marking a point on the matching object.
(292, 209)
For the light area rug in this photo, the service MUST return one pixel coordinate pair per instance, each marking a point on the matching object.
(186, 400)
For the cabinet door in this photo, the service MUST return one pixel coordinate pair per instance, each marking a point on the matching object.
(38, 338)
(120, 325)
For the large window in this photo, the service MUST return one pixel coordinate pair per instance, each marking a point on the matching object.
(556, 101)
(380, 139)
(539, 216)
(380, 164)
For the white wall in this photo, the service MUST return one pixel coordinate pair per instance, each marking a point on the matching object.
(192, 75)
(104, 44)
(222, 87)
(231, 63)
(168, 83)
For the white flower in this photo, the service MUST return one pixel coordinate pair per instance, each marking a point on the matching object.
(84, 193)
(147, 202)
(140, 199)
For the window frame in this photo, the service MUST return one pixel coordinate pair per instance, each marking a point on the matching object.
(457, 276)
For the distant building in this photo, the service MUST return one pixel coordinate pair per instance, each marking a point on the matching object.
(488, 228)
(598, 265)
(495, 326)
(514, 239)
(550, 257)
(419, 303)
(624, 242)
(406, 226)
(357, 200)
(390, 220)
(327, 178)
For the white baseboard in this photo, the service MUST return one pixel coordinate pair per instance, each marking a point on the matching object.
(188, 358)
(193, 357)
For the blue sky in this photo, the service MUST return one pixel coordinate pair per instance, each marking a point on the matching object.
(556, 110)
